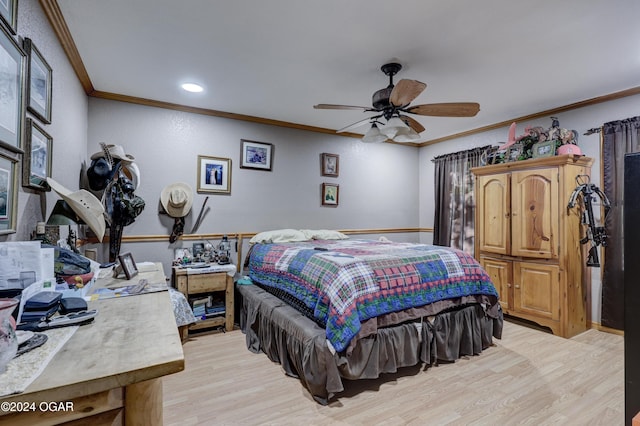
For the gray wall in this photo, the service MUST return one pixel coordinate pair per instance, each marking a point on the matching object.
(580, 119)
(378, 182)
(68, 124)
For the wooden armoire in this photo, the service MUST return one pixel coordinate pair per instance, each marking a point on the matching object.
(528, 240)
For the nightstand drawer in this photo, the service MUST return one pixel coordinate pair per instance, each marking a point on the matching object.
(207, 282)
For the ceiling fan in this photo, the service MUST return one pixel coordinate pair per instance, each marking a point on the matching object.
(393, 103)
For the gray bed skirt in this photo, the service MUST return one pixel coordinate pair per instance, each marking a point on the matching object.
(300, 346)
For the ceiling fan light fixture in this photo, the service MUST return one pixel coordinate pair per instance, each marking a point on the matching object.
(374, 135)
(408, 135)
(393, 127)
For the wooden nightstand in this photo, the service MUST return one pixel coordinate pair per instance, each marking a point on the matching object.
(213, 279)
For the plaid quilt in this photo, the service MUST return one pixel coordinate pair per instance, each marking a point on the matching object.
(345, 282)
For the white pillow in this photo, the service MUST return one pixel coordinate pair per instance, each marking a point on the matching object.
(323, 234)
(278, 236)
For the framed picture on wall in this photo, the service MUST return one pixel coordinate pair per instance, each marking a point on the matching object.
(330, 193)
(214, 175)
(39, 83)
(8, 192)
(330, 164)
(36, 165)
(9, 14)
(256, 155)
(12, 69)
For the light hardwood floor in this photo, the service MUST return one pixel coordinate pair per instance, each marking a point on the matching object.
(529, 377)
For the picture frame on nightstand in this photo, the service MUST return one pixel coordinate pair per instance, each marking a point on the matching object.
(128, 265)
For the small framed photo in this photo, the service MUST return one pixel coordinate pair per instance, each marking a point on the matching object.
(9, 14)
(12, 70)
(330, 164)
(214, 175)
(128, 265)
(182, 255)
(8, 193)
(543, 149)
(39, 83)
(514, 152)
(330, 193)
(36, 166)
(198, 249)
(256, 155)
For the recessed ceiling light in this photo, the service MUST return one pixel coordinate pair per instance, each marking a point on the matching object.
(192, 87)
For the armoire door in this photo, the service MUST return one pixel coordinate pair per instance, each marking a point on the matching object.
(535, 213)
(536, 289)
(493, 204)
(501, 274)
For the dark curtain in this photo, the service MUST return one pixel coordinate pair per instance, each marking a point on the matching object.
(454, 199)
(619, 138)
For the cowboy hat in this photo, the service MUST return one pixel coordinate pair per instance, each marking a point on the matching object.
(86, 206)
(177, 199)
(116, 152)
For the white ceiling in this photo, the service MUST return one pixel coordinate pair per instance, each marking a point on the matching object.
(275, 59)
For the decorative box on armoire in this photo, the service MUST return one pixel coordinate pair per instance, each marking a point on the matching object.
(528, 241)
(631, 220)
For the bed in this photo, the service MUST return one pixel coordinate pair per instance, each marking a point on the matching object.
(334, 309)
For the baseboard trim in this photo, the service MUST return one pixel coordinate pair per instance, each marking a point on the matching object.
(600, 327)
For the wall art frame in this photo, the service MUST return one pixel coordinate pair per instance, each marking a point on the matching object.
(543, 149)
(330, 194)
(39, 86)
(128, 265)
(12, 67)
(9, 15)
(214, 175)
(8, 191)
(330, 164)
(37, 159)
(256, 155)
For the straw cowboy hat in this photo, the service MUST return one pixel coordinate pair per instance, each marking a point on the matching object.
(85, 205)
(116, 152)
(177, 199)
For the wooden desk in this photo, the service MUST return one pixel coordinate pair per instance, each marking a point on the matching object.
(110, 369)
(208, 282)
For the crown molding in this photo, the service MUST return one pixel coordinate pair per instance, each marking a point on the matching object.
(550, 112)
(60, 28)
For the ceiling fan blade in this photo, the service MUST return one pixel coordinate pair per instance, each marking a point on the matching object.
(333, 106)
(414, 124)
(406, 91)
(453, 109)
(354, 125)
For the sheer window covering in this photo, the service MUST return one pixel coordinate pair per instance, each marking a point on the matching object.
(454, 199)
